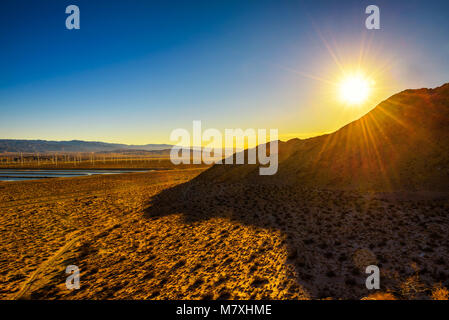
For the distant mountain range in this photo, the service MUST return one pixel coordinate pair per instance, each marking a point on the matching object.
(44, 146)
(402, 144)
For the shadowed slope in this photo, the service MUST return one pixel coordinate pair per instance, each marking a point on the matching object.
(325, 238)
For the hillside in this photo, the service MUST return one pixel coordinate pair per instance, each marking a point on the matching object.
(400, 144)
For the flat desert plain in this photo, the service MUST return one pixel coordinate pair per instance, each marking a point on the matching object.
(169, 235)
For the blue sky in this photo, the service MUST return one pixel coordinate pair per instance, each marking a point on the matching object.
(136, 70)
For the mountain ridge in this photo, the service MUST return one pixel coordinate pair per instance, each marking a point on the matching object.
(399, 144)
(43, 146)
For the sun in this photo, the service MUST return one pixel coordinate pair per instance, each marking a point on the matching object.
(355, 89)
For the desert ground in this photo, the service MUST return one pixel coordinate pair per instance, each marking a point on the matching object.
(168, 235)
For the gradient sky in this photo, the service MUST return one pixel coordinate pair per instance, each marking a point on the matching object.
(136, 70)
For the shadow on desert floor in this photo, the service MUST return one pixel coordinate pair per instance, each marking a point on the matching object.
(323, 239)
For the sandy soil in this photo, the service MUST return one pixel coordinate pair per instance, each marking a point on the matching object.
(161, 235)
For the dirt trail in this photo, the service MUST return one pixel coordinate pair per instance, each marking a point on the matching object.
(47, 264)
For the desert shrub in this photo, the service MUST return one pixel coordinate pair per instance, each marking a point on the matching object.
(440, 293)
(412, 287)
(380, 296)
(363, 258)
